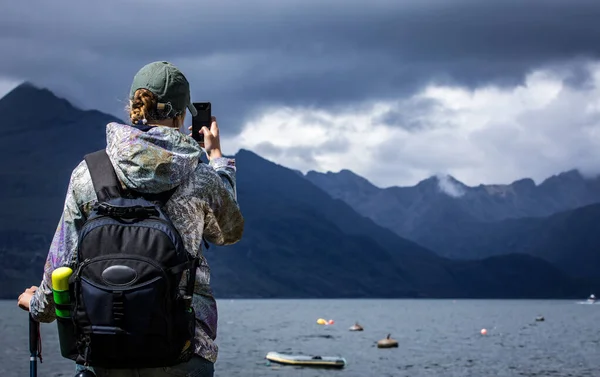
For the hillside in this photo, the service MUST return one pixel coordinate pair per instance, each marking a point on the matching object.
(42, 145)
(567, 239)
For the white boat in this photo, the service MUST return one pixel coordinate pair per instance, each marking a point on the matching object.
(592, 299)
(303, 360)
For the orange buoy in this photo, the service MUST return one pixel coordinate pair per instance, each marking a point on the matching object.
(483, 331)
(330, 322)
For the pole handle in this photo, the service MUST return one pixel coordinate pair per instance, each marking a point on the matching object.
(34, 328)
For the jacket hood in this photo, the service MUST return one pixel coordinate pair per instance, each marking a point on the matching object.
(151, 161)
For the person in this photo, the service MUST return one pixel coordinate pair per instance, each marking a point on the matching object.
(153, 155)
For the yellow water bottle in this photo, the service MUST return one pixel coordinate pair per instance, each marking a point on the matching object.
(60, 291)
(62, 308)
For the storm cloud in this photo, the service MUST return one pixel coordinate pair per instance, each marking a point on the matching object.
(246, 55)
(305, 58)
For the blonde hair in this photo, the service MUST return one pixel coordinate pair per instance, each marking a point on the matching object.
(144, 107)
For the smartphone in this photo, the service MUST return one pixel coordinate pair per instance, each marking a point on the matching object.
(203, 119)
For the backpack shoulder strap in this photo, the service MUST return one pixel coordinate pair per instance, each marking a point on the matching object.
(107, 185)
(105, 181)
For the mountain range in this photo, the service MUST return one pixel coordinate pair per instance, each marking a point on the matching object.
(302, 239)
(555, 220)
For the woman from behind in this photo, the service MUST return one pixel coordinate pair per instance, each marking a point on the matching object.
(149, 156)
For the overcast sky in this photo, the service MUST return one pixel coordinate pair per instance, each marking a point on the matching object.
(487, 91)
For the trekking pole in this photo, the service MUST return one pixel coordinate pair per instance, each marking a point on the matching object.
(34, 346)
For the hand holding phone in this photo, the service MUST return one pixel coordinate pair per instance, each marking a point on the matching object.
(203, 119)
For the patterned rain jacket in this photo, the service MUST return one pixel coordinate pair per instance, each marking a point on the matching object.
(152, 160)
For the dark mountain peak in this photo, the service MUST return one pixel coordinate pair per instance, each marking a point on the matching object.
(450, 178)
(261, 168)
(350, 176)
(524, 184)
(31, 105)
(248, 154)
(572, 175)
(27, 96)
(249, 157)
(254, 161)
(344, 173)
(450, 185)
(343, 179)
(442, 184)
(25, 85)
(429, 187)
(428, 182)
(28, 90)
(313, 173)
(348, 173)
(440, 177)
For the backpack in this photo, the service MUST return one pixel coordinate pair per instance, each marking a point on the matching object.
(130, 306)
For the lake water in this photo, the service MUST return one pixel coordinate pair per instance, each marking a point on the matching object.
(437, 338)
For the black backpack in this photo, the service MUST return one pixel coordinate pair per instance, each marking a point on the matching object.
(130, 309)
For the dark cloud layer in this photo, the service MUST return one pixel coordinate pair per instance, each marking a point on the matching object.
(246, 55)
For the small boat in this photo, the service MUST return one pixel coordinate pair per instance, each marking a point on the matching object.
(356, 327)
(309, 361)
(592, 299)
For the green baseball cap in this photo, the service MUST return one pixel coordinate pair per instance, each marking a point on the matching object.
(168, 83)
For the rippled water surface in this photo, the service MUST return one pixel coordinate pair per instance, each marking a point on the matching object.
(436, 338)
